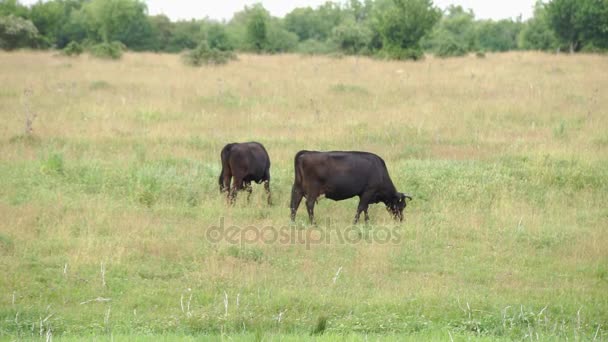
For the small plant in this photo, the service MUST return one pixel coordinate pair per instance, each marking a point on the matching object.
(54, 165)
(244, 253)
(98, 85)
(113, 50)
(29, 115)
(205, 55)
(480, 54)
(320, 327)
(559, 131)
(193, 198)
(348, 88)
(147, 191)
(72, 49)
(6, 243)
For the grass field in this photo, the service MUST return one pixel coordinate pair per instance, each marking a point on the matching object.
(106, 209)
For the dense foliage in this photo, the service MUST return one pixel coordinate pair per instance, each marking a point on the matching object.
(389, 28)
(204, 54)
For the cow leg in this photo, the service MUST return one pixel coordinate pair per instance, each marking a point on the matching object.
(226, 178)
(362, 207)
(310, 207)
(296, 198)
(249, 189)
(238, 185)
(267, 188)
(311, 199)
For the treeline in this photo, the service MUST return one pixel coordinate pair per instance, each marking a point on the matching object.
(398, 29)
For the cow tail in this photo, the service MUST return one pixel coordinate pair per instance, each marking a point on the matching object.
(224, 156)
(297, 170)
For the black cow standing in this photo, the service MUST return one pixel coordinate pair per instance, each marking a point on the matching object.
(340, 175)
(246, 163)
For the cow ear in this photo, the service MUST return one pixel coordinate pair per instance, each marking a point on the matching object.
(401, 197)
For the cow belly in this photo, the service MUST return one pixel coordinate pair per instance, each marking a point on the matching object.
(340, 189)
(338, 196)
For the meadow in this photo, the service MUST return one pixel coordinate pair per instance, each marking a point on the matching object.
(107, 206)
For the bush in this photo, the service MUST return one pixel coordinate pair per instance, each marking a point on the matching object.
(401, 53)
(72, 49)
(351, 37)
(16, 32)
(592, 48)
(113, 50)
(204, 55)
(315, 47)
(450, 48)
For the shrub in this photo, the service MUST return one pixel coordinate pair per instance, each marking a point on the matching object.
(592, 48)
(72, 49)
(254, 254)
(398, 53)
(315, 47)
(54, 165)
(351, 37)
(204, 55)
(450, 48)
(113, 50)
(16, 32)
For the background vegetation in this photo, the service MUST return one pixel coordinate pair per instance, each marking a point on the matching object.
(395, 29)
(108, 186)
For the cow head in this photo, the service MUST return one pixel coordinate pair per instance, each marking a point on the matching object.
(397, 204)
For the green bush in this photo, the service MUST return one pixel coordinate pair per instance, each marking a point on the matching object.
(113, 50)
(315, 47)
(592, 48)
(450, 48)
(53, 165)
(398, 53)
(204, 55)
(72, 49)
(16, 32)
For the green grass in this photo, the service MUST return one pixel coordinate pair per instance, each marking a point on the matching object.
(108, 209)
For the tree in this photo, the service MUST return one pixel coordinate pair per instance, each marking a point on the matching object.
(351, 37)
(49, 18)
(454, 35)
(186, 35)
(303, 22)
(76, 29)
(329, 15)
(217, 37)
(536, 33)
(498, 35)
(318, 23)
(360, 11)
(162, 31)
(279, 39)
(401, 24)
(14, 8)
(257, 27)
(579, 22)
(16, 32)
(119, 20)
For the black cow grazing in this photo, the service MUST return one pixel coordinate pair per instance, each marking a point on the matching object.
(246, 163)
(340, 175)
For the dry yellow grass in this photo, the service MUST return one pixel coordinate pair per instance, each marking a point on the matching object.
(505, 156)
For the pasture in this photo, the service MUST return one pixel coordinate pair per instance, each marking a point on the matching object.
(107, 208)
